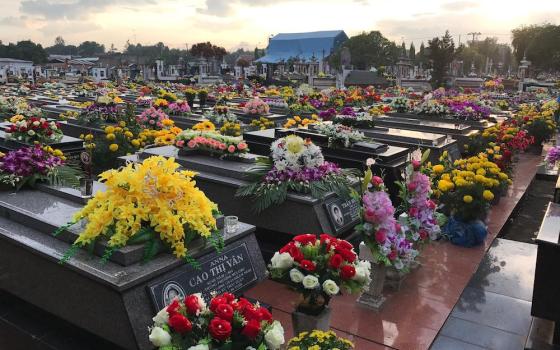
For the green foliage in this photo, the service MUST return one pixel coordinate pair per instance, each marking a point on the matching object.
(24, 50)
(368, 50)
(539, 43)
(90, 48)
(442, 52)
(266, 195)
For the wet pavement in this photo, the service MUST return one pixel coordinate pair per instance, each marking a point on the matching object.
(494, 311)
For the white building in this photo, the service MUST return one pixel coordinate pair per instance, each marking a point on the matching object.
(99, 73)
(16, 68)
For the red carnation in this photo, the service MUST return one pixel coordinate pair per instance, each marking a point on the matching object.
(305, 239)
(392, 255)
(335, 261)
(215, 302)
(229, 297)
(381, 236)
(348, 255)
(376, 181)
(307, 265)
(173, 308)
(423, 234)
(347, 272)
(296, 254)
(180, 324)
(328, 240)
(251, 329)
(192, 304)
(344, 244)
(413, 212)
(265, 315)
(431, 204)
(241, 304)
(224, 311)
(219, 329)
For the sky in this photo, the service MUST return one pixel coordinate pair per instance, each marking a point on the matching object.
(249, 23)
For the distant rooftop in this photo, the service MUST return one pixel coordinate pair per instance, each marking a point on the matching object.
(303, 46)
(13, 60)
(308, 35)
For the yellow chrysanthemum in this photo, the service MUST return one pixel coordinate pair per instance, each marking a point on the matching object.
(467, 199)
(113, 147)
(438, 169)
(488, 195)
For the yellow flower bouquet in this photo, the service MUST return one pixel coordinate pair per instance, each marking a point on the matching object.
(151, 203)
(467, 186)
(319, 340)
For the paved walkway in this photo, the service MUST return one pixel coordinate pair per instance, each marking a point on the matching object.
(494, 311)
(413, 316)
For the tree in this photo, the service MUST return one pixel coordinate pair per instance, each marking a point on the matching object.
(60, 47)
(442, 52)
(403, 50)
(539, 43)
(479, 52)
(208, 50)
(159, 51)
(90, 48)
(368, 50)
(59, 41)
(24, 50)
(412, 52)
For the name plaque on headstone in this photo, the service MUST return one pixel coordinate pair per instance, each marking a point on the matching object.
(343, 213)
(228, 271)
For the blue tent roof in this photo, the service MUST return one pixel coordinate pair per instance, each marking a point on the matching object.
(302, 46)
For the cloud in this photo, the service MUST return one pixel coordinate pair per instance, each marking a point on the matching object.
(73, 27)
(457, 6)
(59, 9)
(12, 21)
(223, 8)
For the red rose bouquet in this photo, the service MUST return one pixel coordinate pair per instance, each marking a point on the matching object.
(318, 268)
(226, 322)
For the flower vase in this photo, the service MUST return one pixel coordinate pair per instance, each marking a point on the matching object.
(373, 297)
(394, 278)
(465, 233)
(86, 187)
(303, 322)
(190, 102)
(202, 101)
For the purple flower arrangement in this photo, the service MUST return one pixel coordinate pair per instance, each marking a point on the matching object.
(468, 110)
(316, 103)
(553, 155)
(349, 111)
(422, 221)
(19, 166)
(305, 175)
(327, 114)
(381, 232)
(101, 108)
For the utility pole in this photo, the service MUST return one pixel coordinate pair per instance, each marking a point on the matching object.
(474, 35)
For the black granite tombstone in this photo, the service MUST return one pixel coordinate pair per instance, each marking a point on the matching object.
(69, 145)
(436, 143)
(390, 160)
(475, 124)
(86, 292)
(547, 285)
